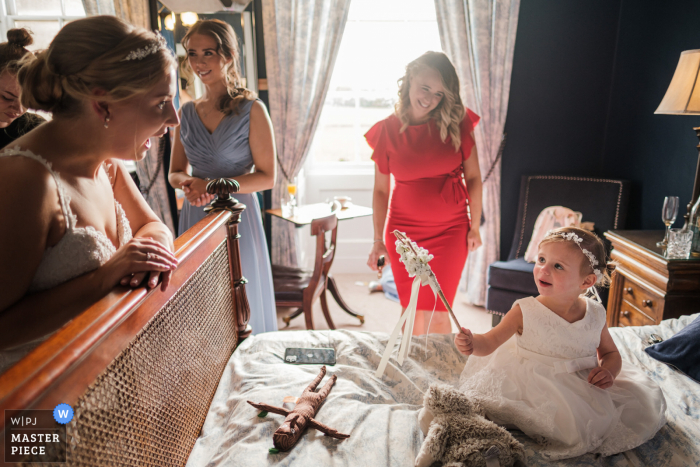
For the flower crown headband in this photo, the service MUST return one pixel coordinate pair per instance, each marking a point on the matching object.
(139, 54)
(571, 236)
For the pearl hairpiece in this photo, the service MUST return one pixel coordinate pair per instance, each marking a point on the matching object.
(571, 236)
(141, 53)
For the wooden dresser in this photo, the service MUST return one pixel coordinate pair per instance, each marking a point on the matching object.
(647, 287)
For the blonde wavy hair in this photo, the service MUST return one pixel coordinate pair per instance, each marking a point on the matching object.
(88, 54)
(449, 113)
(226, 47)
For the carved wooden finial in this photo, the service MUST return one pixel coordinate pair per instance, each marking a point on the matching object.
(222, 188)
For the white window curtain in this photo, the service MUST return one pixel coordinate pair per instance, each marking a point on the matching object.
(479, 38)
(302, 39)
(132, 11)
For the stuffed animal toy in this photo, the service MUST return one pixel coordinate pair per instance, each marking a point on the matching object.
(458, 435)
(301, 417)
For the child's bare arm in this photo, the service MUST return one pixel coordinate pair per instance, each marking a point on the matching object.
(610, 362)
(484, 344)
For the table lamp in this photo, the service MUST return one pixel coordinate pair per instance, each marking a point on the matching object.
(683, 98)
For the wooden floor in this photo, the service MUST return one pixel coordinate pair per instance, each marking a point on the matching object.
(380, 313)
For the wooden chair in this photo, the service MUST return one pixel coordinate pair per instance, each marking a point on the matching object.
(296, 287)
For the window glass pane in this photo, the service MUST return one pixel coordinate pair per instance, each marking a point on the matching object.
(74, 7)
(379, 40)
(42, 31)
(38, 7)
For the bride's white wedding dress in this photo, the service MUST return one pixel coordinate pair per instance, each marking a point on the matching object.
(537, 382)
(80, 250)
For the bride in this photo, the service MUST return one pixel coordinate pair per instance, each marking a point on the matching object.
(79, 225)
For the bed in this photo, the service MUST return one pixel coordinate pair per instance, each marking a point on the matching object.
(161, 378)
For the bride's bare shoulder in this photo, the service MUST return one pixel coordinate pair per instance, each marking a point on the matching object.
(26, 178)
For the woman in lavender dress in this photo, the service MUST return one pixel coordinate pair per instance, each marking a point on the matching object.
(227, 133)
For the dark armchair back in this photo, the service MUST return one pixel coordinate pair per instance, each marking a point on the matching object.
(603, 201)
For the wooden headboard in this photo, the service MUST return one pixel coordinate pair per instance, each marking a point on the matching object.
(140, 367)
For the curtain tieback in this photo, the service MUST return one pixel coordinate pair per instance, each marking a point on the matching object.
(454, 189)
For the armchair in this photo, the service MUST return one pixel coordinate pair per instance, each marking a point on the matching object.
(602, 201)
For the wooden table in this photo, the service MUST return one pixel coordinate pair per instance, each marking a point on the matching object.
(647, 287)
(304, 215)
(308, 212)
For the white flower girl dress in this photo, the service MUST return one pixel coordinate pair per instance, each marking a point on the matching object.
(537, 383)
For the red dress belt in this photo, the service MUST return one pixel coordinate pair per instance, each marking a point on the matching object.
(454, 190)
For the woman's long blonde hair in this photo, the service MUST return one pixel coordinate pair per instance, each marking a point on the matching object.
(449, 113)
(89, 54)
(226, 47)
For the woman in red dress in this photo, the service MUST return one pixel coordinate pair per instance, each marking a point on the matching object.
(428, 146)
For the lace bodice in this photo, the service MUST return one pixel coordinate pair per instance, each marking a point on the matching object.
(547, 333)
(81, 249)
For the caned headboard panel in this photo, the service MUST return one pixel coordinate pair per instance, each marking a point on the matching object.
(140, 367)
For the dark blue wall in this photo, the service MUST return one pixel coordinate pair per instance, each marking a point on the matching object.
(657, 152)
(587, 77)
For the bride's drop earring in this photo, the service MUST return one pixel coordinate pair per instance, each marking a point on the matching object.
(106, 122)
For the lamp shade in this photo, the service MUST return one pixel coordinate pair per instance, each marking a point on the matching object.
(683, 94)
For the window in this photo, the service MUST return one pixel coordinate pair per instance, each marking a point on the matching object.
(379, 40)
(43, 18)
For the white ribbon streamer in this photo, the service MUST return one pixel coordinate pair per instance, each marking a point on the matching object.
(432, 282)
(408, 317)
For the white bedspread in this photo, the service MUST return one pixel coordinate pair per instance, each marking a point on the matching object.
(381, 416)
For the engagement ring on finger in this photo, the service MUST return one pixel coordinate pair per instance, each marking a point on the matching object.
(149, 256)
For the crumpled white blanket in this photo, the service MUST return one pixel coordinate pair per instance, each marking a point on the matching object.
(381, 416)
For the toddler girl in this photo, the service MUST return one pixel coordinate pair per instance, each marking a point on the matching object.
(551, 369)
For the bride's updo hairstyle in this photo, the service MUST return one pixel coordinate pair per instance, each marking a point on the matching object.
(226, 47)
(15, 49)
(450, 111)
(89, 54)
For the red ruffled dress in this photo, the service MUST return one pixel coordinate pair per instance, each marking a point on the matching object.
(428, 200)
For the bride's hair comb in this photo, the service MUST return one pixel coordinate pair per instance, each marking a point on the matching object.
(139, 54)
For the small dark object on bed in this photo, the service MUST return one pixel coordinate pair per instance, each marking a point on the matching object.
(681, 351)
(654, 339)
(299, 356)
(302, 416)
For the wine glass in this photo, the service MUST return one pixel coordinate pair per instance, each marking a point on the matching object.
(668, 216)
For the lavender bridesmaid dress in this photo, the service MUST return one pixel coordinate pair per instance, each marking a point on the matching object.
(226, 153)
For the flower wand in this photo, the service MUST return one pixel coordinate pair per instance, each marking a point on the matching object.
(415, 259)
(432, 279)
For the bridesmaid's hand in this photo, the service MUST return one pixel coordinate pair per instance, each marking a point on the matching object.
(473, 239)
(196, 191)
(601, 377)
(378, 249)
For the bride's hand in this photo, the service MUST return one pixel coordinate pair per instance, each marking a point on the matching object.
(138, 258)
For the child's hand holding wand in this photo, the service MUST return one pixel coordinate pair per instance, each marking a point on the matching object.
(464, 341)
